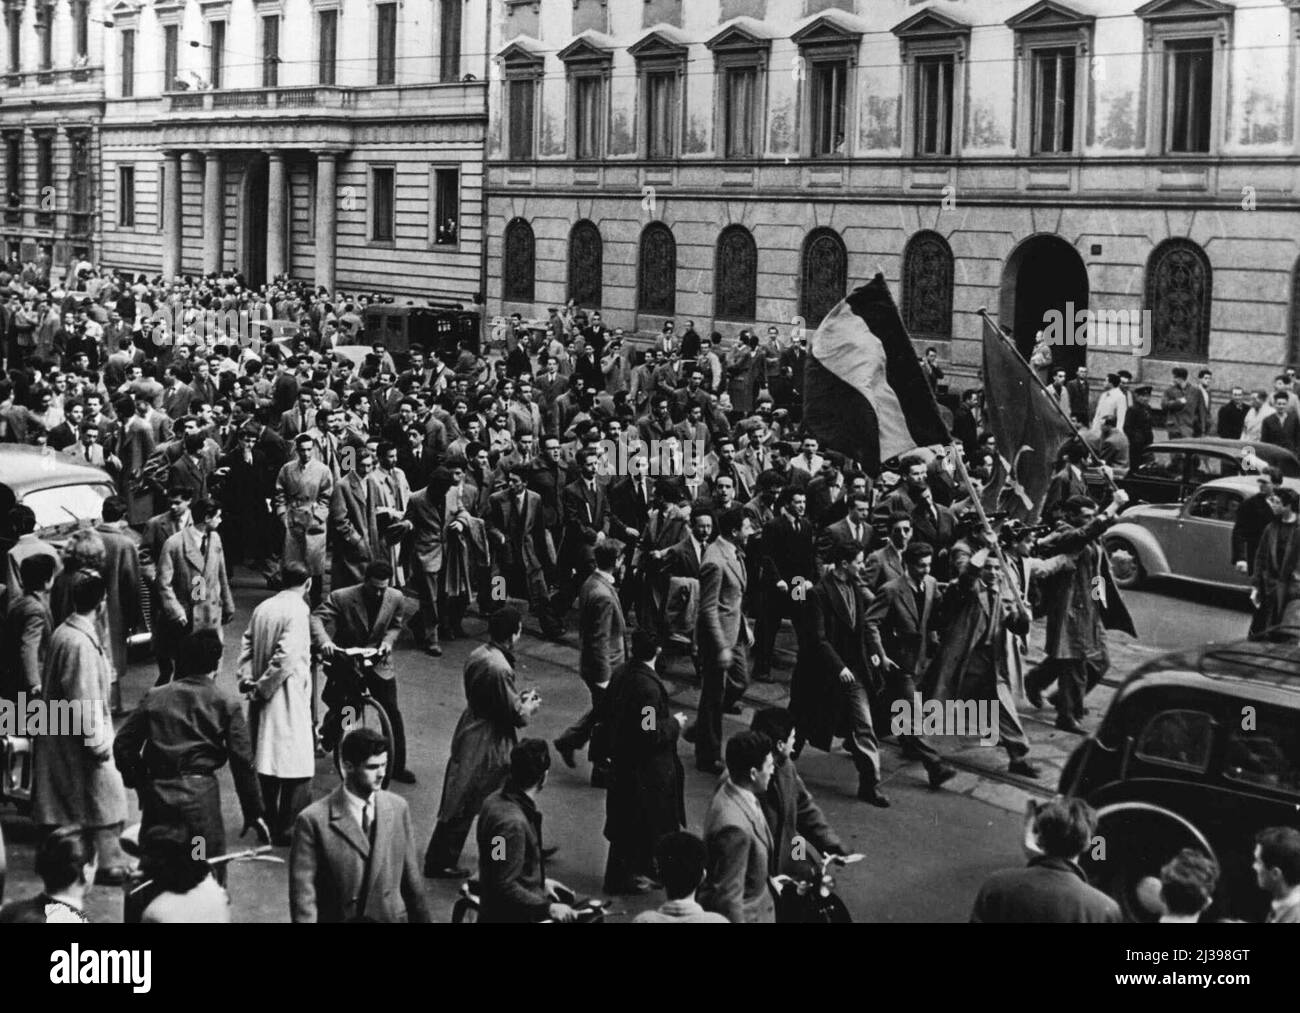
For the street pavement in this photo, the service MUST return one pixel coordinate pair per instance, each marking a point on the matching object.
(926, 856)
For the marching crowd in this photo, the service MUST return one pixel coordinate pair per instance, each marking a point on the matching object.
(633, 503)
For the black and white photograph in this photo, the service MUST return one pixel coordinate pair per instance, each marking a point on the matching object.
(651, 461)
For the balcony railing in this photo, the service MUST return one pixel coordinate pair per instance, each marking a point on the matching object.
(310, 97)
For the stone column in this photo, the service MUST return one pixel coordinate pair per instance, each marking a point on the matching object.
(277, 210)
(214, 211)
(326, 217)
(171, 214)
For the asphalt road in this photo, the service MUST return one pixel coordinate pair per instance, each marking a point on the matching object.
(926, 856)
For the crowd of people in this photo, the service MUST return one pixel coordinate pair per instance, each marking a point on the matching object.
(631, 503)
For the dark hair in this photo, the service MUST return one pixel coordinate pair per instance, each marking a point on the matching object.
(113, 509)
(167, 858)
(35, 571)
(680, 857)
(909, 462)
(845, 552)
(1179, 373)
(361, 744)
(899, 518)
(293, 575)
(199, 653)
(1076, 503)
(746, 751)
(22, 519)
(202, 509)
(62, 857)
(1188, 881)
(87, 590)
(917, 551)
(730, 521)
(529, 762)
(645, 644)
(1279, 848)
(775, 722)
(379, 570)
(607, 553)
(504, 624)
(1064, 827)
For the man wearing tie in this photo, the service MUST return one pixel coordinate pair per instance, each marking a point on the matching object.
(586, 522)
(788, 567)
(524, 549)
(355, 521)
(193, 587)
(854, 529)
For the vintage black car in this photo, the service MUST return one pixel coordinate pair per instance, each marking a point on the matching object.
(1199, 748)
(1170, 469)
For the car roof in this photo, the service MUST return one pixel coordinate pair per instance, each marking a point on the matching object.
(1272, 663)
(26, 469)
(1268, 451)
(1243, 483)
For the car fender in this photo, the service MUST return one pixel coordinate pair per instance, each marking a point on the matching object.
(1150, 808)
(1151, 556)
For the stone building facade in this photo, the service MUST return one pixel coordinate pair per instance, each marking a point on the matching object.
(742, 163)
(338, 141)
(51, 102)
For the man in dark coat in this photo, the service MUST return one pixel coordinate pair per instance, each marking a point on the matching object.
(1254, 515)
(585, 510)
(1053, 889)
(1137, 424)
(646, 781)
(523, 547)
(1275, 585)
(354, 523)
(172, 746)
(834, 680)
(788, 566)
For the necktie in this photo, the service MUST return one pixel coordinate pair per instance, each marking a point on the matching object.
(368, 820)
(204, 546)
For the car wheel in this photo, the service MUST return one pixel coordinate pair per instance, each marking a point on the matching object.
(1133, 841)
(1125, 564)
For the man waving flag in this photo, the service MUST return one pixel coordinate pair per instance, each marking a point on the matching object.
(864, 393)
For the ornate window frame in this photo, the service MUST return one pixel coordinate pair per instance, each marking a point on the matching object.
(1050, 25)
(661, 51)
(1155, 298)
(1184, 20)
(723, 268)
(515, 295)
(593, 282)
(933, 33)
(827, 39)
(739, 47)
(522, 60)
(814, 235)
(913, 293)
(584, 59)
(654, 228)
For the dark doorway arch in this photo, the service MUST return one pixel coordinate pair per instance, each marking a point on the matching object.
(1044, 273)
(256, 212)
(656, 291)
(586, 265)
(825, 274)
(518, 267)
(735, 272)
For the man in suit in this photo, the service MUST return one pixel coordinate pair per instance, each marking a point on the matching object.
(854, 529)
(631, 499)
(370, 614)
(1275, 581)
(646, 783)
(737, 837)
(1282, 428)
(1231, 417)
(355, 523)
(886, 562)
(88, 450)
(585, 509)
(1079, 397)
(1068, 481)
(1180, 406)
(602, 630)
(193, 587)
(512, 859)
(900, 635)
(724, 637)
(1052, 889)
(424, 512)
(303, 491)
(788, 568)
(353, 857)
(524, 550)
(25, 629)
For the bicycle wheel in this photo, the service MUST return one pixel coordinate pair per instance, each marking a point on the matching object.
(366, 713)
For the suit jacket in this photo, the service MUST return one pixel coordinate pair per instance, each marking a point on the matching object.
(24, 642)
(1282, 431)
(791, 811)
(343, 618)
(183, 570)
(629, 509)
(329, 857)
(425, 511)
(585, 513)
(788, 550)
(841, 533)
(602, 630)
(722, 623)
(883, 565)
(836, 640)
(521, 539)
(513, 888)
(740, 859)
(895, 630)
(356, 528)
(1049, 890)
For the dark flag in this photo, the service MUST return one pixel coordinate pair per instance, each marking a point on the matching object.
(864, 393)
(1030, 429)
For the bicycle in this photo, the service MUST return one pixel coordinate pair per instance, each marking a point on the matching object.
(466, 909)
(811, 899)
(136, 895)
(351, 705)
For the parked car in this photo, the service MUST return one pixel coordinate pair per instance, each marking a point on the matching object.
(63, 493)
(438, 329)
(1171, 469)
(1188, 541)
(1199, 748)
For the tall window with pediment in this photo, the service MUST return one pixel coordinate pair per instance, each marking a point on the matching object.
(518, 268)
(1179, 293)
(927, 286)
(656, 291)
(586, 264)
(735, 275)
(823, 275)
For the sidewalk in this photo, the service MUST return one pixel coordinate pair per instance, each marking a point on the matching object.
(982, 770)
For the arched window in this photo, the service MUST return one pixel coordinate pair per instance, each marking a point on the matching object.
(656, 288)
(735, 275)
(519, 267)
(824, 275)
(927, 286)
(585, 265)
(1179, 290)
(1293, 345)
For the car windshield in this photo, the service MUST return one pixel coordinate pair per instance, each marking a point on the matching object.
(63, 508)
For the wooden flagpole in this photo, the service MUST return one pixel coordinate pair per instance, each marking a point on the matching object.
(1102, 465)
